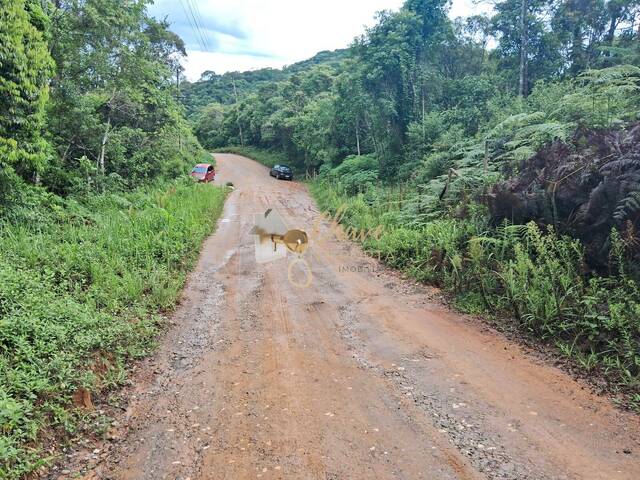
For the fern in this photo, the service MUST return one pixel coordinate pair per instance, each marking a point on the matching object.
(529, 139)
(602, 97)
(628, 206)
(619, 75)
(621, 165)
(514, 122)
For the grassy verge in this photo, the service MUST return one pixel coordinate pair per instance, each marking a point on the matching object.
(81, 295)
(265, 157)
(533, 280)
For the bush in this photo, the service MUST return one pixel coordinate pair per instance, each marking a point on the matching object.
(356, 173)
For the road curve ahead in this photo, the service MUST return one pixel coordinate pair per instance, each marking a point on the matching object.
(360, 375)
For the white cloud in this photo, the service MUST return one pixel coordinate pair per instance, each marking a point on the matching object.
(466, 8)
(251, 34)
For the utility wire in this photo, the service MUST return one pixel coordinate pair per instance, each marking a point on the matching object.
(195, 26)
(196, 22)
(191, 24)
(199, 19)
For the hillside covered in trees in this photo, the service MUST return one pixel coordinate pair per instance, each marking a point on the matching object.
(224, 89)
(499, 153)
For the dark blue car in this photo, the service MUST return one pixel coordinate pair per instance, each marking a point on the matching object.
(281, 172)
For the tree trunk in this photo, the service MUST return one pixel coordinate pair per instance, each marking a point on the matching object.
(486, 156)
(358, 135)
(577, 55)
(424, 133)
(103, 147)
(178, 101)
(484, 50)
(370, 129)
(611, 31)
(522, 86)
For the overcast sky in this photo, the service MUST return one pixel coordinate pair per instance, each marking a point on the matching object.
(241, 35)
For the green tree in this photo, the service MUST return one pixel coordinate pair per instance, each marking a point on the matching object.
(350, 112)
(313, 131)
(25, 70)
(419, 90)
(527, 48)
(209, 126)
(114, 94)
(586, 29)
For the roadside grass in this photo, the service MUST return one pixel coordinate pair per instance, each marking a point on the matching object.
(81, 296)
(530, 280)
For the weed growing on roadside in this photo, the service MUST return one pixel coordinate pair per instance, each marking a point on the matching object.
(536, 277)
(81, 296)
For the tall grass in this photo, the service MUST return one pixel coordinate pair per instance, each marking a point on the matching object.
(536, 279)
(82, 295)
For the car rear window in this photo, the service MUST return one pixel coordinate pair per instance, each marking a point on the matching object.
(199, 169)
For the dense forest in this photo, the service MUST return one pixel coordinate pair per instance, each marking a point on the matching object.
(499, 152)
(97, 230)
(226, 88)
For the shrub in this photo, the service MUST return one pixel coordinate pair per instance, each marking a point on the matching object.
(356, 173)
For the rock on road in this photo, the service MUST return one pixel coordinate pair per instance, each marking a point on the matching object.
(362, 375)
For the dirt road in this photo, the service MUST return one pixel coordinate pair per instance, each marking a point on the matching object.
(362, 375)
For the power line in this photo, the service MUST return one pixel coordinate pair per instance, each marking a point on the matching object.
(195, 25)
(199, 19)
(193, 28)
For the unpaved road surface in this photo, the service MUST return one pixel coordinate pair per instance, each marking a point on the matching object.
(362, 375)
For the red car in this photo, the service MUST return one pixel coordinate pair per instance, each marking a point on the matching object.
(203, 172)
